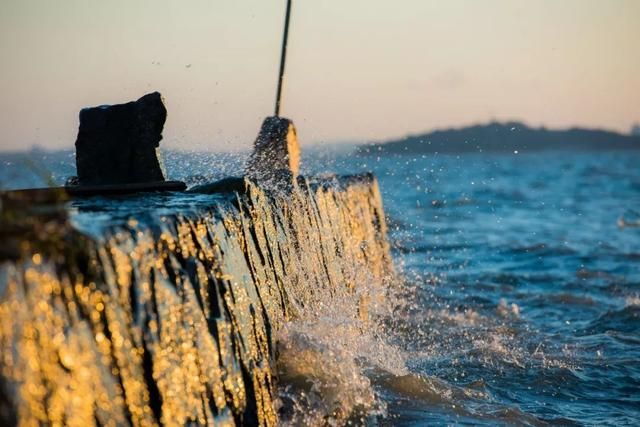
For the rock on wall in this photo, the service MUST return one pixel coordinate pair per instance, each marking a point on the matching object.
(168, 317)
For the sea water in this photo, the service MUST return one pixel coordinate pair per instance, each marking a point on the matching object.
(517, 298)
(524, 277)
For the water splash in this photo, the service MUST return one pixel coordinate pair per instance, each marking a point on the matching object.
(329, 360)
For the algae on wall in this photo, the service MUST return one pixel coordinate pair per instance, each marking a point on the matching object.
(170, 318)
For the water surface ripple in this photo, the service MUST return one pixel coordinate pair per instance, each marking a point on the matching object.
(525, 304)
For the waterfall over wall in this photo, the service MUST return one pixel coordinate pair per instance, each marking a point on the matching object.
(163, 309)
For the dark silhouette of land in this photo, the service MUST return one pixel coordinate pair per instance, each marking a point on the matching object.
(507, 137)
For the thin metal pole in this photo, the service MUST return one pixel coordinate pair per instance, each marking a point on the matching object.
(283, 56)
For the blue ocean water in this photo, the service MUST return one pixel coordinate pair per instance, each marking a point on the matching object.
(527, 276)
(520, 302)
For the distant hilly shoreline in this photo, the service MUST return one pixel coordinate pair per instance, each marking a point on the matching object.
(505, 137)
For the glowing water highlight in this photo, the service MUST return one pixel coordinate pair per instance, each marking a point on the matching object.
(166, 309)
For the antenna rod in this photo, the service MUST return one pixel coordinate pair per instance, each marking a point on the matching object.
(283, 56)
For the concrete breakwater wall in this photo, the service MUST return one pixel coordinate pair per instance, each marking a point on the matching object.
(163, 309)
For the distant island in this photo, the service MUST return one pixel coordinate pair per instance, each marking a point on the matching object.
(506, 137)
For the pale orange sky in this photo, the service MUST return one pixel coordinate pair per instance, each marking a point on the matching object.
(357, 69)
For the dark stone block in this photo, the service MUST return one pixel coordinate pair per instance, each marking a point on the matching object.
(226, 185)
(117, 144)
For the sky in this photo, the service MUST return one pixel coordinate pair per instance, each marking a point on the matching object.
(357, 70)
